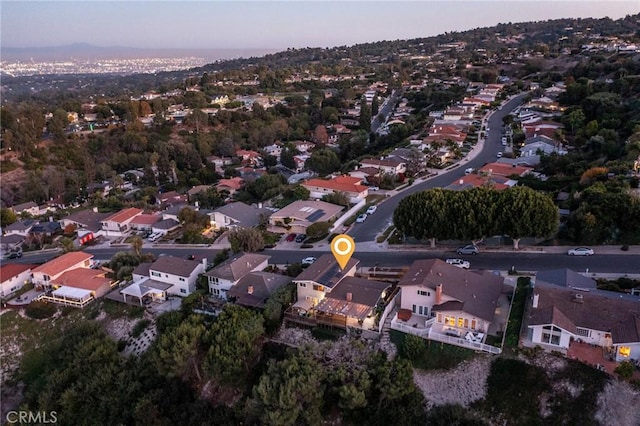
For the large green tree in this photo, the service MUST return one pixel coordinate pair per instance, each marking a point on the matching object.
(323, 162)
(234, 340)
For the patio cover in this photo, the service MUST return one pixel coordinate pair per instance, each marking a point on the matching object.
(73, 293)
(303, 304)
(342, 307)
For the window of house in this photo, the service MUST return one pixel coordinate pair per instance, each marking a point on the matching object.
(423, 293)
(182, 290)
(624, 351)
(583, 332)
(181, 279)
(551, 335)
(215, 291)
(318, 287)
(213, 280)
(450, 320)
(473, 324)
(439, 318)
(414, 309)
(302, 284)
(155, 274)
(460, 322)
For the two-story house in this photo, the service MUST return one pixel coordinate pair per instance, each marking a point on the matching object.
(13, 276)
(118, 223)
(442, 299)
(237, 215)
(332, 296)
(168, 275)
(44, 274)
(226, 275)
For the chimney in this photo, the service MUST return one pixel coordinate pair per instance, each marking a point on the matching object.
(204, 262)
(577, 298)
(250, 289)
(535, 300)
(349, 297)
(438, 294)
(460, 182)
(95, 210)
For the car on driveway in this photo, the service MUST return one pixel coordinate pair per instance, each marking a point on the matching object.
(308, 260)
(372, 209)
(580, 251)
(470, 249)
(301, 237)
(361, 218)
(499, 155)
(15, 255)
(464, 264)
(290, 237)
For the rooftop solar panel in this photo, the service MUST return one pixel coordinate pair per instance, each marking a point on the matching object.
(315, 215)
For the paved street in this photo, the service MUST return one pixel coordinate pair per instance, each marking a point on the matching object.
(484, 152)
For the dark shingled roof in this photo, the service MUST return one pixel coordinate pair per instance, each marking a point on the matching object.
(566, 278)
(363, 291)
(477, 291)
(174, 265)
(264, 285)
(597, 310)
(326, 271)
(238, 266)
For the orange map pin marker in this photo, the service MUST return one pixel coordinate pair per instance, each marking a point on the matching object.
(342, 248)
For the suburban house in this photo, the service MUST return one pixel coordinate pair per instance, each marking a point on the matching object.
(145, 221)
(226, 275)
(330, 296)
(165, 226)
(46, 273)
(303, 146)
(541, 145)
(365, 173)
(539, 128)
(168, 275)
(254, 289)
(29, 207)
(11, 243)
(393, 166)
(442, 302)
(79, 287)
(118, 224)
(88, 219)
(351, 186)
(299, 215)
(230, 185)
(13, 276)
(220, 162)
(557, 316)
(197, 190)
(21, 227)
(248, 157)
(171, 198)
(239, 215)
(505, 170)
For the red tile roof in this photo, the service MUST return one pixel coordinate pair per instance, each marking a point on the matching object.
(145, 219)
(11, 270)
(84, 278)
(233, 183)
(124, 215)
(503, 169)
(341, 183)
(62, 263)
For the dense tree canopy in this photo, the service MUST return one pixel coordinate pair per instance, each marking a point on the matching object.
(476, 213)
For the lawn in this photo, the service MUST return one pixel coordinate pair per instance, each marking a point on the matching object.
(436, 355)
(517, 312)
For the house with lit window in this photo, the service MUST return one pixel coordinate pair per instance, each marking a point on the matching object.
(46, 273)
(225, 276)
(329, 295)
(442, 302)
(557, 316)
(13, 276)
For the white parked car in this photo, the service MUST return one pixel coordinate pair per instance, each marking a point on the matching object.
(580, 251)
(308, 260)
(499, 155)
(372, 209)
(459, 263)
(361, 218)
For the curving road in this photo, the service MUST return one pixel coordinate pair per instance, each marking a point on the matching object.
(383, 216)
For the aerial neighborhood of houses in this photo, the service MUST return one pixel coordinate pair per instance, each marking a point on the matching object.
(310, 202)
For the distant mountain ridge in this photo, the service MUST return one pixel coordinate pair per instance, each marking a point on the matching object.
(85, 51)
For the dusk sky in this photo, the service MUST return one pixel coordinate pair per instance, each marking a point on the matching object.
(269, 24)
